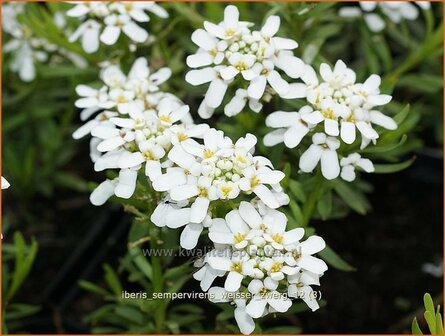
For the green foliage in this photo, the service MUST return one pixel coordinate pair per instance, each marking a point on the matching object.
(22, 257)
(432, 317)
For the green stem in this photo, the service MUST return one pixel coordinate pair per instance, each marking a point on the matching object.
(309, 206)
(158, 282)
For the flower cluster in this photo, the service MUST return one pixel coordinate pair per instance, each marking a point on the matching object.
(396, 11)
(104, 21)
(26, 48)
(215, 170)
(133, 127)
(338, 110)
(264, 266)
(231, 52)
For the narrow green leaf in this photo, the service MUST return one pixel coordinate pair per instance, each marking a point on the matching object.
(297, 190)
(393, 167)
(334, 260)
(89, 286)
(112, 280)
(296, 212)
(324, 205)
(431, 321)
(428, 302)
(353, 198)
(415, 329)
(439, 324)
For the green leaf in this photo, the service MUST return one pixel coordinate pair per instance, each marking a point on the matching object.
(89, 286)
(24, 258)
(415, 329)
(296, 212)
(431, 321)
(439, 323)
(386, 148)
(353, 198)
(393, 167)
(297, 190)
(401, 116)
(324, 205)
(425, 83)
(17, 311)
(334, 260)
(131, 314)
(142, 262)
(428, 302)
(112, 280)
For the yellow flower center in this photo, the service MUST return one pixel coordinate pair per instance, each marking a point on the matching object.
(213, 52)
(241, 159)
(254, 181)
(264, 71)
(148, 155)
(182, 137)
(328, 113)
(208, 154)
(237, 267)
(276, 237)
(165, 118)
(230, 32)
(276, 267)
(121, 99)
(263, 291)
(203, 192)
(226, 190)
(239, 237)
(241, 66)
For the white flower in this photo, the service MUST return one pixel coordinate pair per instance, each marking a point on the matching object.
(322, 149)
(395, 11)
(264, 294)
(231, 52)
(135, 126)
(238, 102)
(336, 106)
(123, 186)
(5, 184)
(254, 252)
(228, 170)
(291, 127)
(245, 322)
(89, 32)
(104, 21)
(27, 49)
(348, 165)
(300, 287)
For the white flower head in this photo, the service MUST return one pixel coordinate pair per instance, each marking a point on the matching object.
(323, 150)
(350, 163)
(230, 52)
(374, 12)
(134, 127)
(338, 111)
(27, 49)
(106, 21)
(257, 254)
(217, 170)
